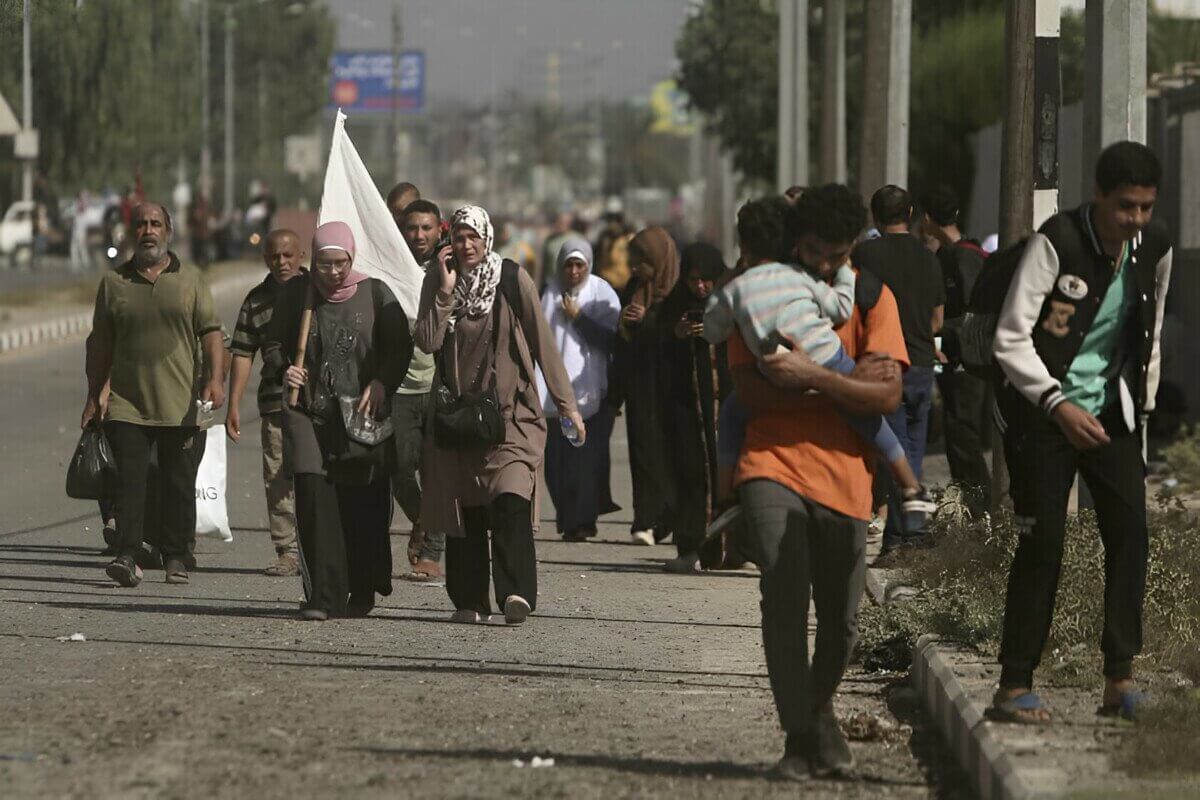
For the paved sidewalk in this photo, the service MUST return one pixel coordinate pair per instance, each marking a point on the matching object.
(636, 683)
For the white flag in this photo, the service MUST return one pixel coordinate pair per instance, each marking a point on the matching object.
(350, 196)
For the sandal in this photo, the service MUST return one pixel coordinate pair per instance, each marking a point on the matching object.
(425, 570)
(1127, 708)
(1021, 710)
(416, 540)
(286, 566)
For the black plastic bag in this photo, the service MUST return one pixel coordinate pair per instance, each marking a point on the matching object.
(93, 469)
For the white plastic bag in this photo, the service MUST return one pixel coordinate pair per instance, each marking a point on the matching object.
(350, 196)
(212, 515)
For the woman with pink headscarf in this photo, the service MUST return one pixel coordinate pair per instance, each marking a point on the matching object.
(336, 436)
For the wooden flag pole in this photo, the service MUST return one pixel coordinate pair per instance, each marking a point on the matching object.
(302, 344)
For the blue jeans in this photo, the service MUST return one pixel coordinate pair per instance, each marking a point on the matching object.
(910, 422)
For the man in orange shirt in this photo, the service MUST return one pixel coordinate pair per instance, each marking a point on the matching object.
(804, 481)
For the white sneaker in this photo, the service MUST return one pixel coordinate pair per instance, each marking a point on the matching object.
(643, 537)
(466, 616)
(516, 609)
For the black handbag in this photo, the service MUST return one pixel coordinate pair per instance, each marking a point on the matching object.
(473, 420)
(468, 421)
(92, 470)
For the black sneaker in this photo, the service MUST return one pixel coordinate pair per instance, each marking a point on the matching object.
(124, 571)
(794, 766)
(831, 757)
(360, 605)
(176, 571)
(149, 557)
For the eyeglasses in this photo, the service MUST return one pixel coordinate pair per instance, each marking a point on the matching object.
(331, 266)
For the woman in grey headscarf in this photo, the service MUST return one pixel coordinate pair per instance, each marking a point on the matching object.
(583, 311)
(480, 315)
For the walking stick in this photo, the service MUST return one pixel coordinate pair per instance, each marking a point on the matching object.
(302, 344)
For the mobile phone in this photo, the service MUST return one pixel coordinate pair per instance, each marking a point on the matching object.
(444, 244)
(695, 315)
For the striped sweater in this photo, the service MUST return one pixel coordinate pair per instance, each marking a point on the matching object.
(783, 299)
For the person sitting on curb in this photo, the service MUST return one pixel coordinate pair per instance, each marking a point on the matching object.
(1078, 342)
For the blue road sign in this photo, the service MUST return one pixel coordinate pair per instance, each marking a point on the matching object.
(362, 81)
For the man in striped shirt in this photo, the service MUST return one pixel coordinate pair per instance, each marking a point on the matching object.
(284, 256)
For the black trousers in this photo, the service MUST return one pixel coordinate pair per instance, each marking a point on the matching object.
(344, 545)
(966, 423)
(175, 494)
(513, 560)
(804, 550)
(1042, 465)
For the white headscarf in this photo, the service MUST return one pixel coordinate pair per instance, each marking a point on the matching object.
(475, 291)
(585, 361)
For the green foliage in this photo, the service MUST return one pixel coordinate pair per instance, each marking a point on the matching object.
(1183, 458)
(728, 65)
(117, 85)
(1167, 739)
(957, 83)
(961, 585)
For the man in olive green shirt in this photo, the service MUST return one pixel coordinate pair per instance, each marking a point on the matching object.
(150, 312)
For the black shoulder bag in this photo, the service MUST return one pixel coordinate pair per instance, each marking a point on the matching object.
(472, 420)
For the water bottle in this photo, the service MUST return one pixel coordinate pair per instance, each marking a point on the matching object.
(570, 432)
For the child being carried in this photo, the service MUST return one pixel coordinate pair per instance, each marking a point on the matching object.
(773, 305)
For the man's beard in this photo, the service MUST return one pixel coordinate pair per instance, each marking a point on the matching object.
(143, 257)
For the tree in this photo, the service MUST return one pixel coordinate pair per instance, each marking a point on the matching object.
(728, 66)
(117, 86)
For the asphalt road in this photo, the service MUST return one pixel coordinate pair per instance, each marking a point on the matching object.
(635, 683)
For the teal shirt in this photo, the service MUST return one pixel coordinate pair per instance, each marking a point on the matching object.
(1099, 358)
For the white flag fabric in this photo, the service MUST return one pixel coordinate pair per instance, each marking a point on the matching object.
(350, 196)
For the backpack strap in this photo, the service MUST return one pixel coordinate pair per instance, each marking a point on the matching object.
(867, 289)
(510, 289)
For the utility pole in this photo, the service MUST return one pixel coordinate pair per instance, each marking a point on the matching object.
(229, 151)
(833, 91)
(1032, 96)
(27, 102)
(1029, 143)
(792, 163)
(206, 185)
(396, 75)
(1114, 95)
(887, 46)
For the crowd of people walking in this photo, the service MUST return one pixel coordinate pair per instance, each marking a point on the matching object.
(758, 398)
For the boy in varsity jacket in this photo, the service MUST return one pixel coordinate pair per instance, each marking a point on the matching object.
(1077, 341)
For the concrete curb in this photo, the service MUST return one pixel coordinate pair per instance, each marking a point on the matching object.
(991, 771)
(54, 330)
(45, 331)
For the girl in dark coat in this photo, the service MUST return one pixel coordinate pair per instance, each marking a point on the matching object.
(655, 266)
(697, 379)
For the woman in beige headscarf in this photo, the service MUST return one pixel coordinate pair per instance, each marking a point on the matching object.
(655, 266)
(480, 314)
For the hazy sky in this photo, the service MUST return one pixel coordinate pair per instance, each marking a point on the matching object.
(476, 47)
